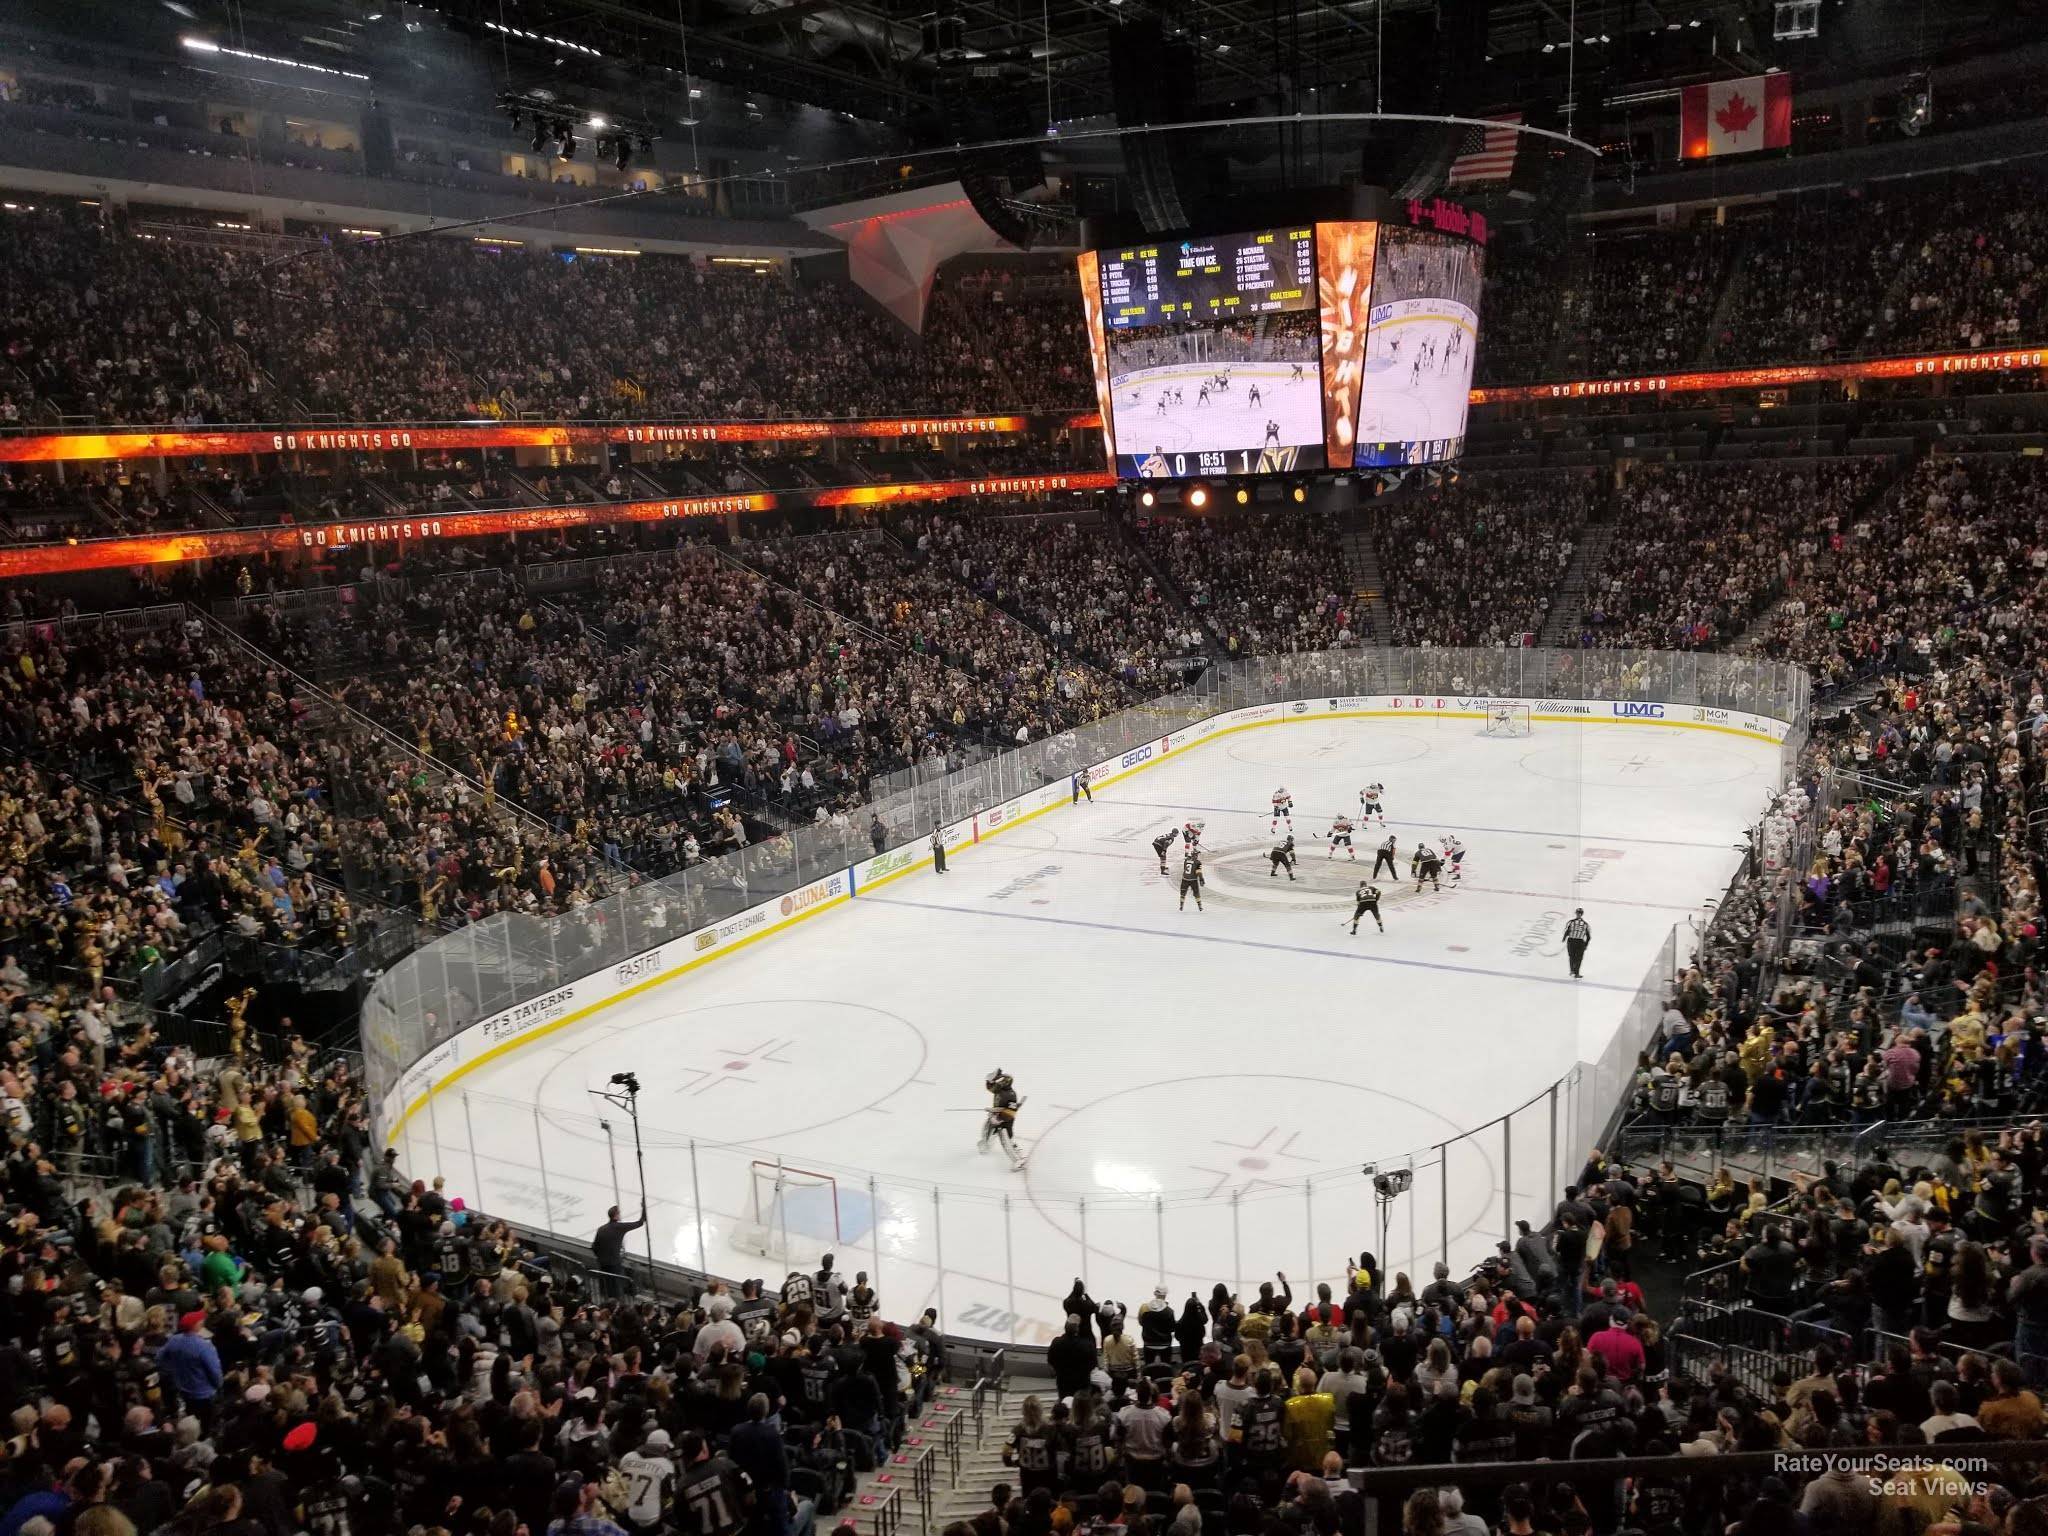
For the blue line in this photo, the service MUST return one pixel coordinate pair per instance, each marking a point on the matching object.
(1448, 826)
(1290, 949)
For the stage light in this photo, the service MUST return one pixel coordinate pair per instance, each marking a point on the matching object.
(1243, 496)
(1300, 494)
(1145, 498)
(1198, 496)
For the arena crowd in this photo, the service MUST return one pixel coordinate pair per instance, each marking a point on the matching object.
(228, 1313)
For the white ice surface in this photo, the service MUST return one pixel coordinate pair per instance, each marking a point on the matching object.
(1400, 405)
(1229, 421)
(1201, 1087)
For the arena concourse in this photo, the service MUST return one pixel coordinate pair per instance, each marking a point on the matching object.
(431, 625)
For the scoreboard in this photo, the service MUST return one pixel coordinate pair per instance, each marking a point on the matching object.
(1216, 278)
(1311, 347)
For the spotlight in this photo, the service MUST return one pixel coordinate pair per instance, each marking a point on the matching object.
(1300, 494)
(1198, 496)
(1243, 496)
(1145, 498)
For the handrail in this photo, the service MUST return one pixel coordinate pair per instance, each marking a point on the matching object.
(885, 1511)
(1699, 1276)
(952, 1440)
(356, 717)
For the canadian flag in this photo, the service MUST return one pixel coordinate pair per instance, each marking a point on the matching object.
(1733, 117)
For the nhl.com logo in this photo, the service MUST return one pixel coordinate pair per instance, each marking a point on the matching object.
(1299, 706)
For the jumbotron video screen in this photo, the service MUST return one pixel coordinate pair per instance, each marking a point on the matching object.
(1420, 341)
(1337, 346)
(1213, 355)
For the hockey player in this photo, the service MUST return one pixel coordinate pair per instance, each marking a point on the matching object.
(1366, 900)
(1202, 396)
(1191, 834)
(1082, 782)
(1272, 434)
(1385, 856)
(1297, 376)
(1251, 398)
(1001, 1124)
(1415, 859)
(1282, 857)
(1428, 865)
(1162, 842)
(1340, 834)
(1454, 851)
(1371, 807)
(1191, 878)
(1283, 809)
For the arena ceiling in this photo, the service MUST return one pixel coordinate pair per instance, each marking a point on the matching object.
(907, 63)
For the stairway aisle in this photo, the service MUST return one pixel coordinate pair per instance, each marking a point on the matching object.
(1362, 561)
(949, 1460)
(1724, 306)
(1561, 623)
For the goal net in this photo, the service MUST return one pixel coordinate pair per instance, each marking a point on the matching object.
(792, 1215)
(1506, 720)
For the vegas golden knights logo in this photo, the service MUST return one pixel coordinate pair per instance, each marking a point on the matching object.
(1275, 461)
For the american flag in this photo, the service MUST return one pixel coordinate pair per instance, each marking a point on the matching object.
(1487, 153)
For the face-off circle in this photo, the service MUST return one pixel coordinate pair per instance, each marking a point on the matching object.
(745, 1071)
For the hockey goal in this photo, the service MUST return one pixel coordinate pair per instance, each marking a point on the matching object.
(792, 1214)
(1506, 720)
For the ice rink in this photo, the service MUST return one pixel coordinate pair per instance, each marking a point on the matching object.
(1201, 1087)
(1403, 403)
(1228, 421)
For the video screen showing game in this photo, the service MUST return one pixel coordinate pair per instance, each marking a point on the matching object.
(1421, 339)
(1213, 356)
